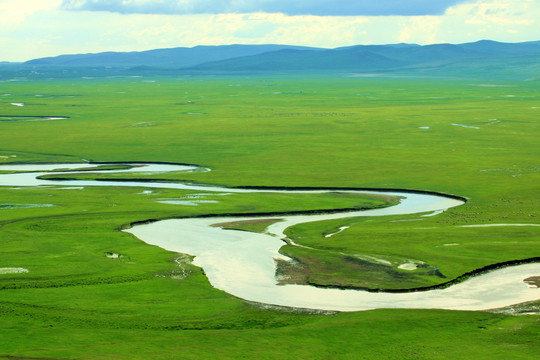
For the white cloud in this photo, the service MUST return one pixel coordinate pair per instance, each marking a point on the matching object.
(420, 29)
(502, 20)
(13, 12)
(497, 12)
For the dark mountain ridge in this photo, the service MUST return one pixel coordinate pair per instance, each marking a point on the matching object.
(483, 58)
(165, 58)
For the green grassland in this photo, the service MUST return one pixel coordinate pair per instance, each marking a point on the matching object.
(369, 253)
(78, 303)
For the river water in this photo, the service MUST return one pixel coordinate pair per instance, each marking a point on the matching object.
(244, 263)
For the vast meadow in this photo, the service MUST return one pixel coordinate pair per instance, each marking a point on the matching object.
(475, 139)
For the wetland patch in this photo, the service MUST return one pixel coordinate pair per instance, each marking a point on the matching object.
(13, 270)
(533, 281)
(31, 118)
(24, 206)
(466, 126)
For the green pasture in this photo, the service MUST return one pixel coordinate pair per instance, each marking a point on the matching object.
(475, 139)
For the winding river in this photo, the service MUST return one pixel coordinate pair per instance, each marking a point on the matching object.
(243, 263)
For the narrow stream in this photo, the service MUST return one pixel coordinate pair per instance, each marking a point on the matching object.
(243, 263)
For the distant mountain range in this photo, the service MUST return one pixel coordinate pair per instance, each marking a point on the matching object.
(482, 58)
(477, 59)
(173, 58)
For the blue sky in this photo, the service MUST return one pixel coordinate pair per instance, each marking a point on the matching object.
(294, 7)
(37, 28)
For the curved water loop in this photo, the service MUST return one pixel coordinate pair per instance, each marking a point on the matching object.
(243, 263)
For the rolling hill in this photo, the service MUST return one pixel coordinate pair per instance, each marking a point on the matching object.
(479, 59)
(470, 59)
(162, 58)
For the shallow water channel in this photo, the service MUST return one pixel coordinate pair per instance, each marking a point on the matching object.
(243, 263)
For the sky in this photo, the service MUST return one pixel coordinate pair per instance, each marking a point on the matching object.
(32, 29)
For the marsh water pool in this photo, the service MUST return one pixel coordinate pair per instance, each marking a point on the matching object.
(244, 263)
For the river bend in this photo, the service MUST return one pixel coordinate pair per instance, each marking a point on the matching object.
(243, 263)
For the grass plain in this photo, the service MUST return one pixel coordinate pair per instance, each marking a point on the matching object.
(476, 139)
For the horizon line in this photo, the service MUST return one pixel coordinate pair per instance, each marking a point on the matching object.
(264, 44)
